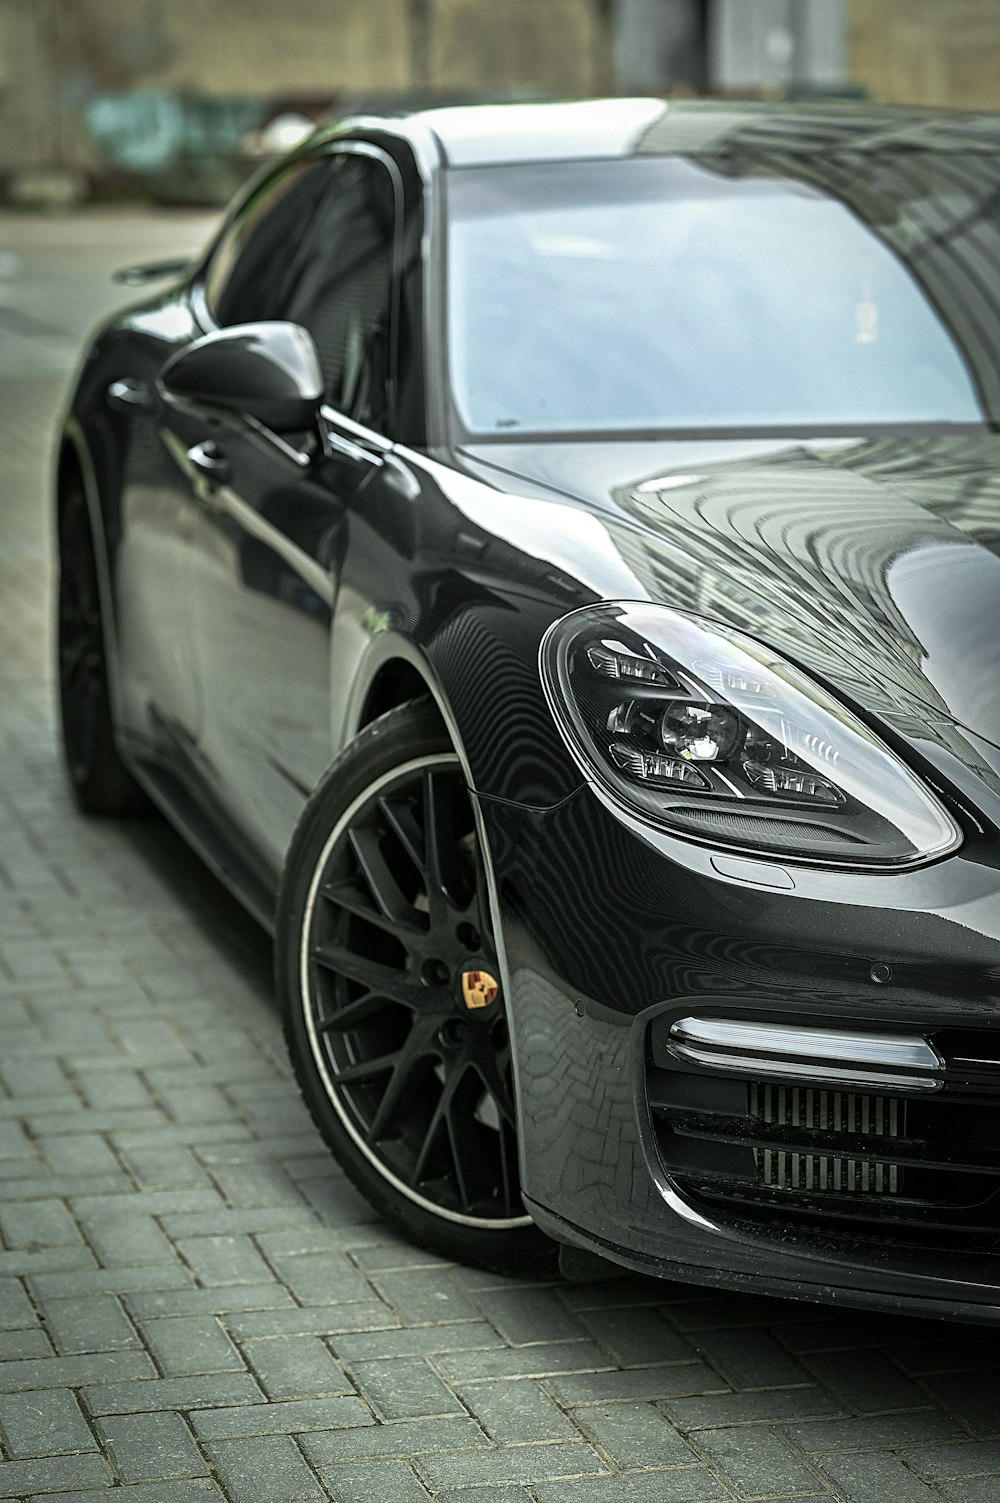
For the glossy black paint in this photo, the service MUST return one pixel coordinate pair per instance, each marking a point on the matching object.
(152, 271)
(268, 371)
(264, 611)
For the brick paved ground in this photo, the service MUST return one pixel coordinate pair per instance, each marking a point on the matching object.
(192, 1300)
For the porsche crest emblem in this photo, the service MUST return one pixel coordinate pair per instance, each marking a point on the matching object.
(479, 988)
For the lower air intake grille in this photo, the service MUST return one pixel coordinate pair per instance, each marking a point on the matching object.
(880, 1164)
(830, 1112)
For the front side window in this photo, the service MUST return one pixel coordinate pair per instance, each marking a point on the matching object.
(315, 247)
(669, 293)
(341, 287)
(246, 278)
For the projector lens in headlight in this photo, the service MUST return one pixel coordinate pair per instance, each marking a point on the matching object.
(707, 733)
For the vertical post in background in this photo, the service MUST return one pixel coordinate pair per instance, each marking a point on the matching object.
(605, 73)
(819, 30)
(790, 45)
(659, 46)
(421, 21)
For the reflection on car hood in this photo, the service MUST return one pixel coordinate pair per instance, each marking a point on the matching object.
(874, 563)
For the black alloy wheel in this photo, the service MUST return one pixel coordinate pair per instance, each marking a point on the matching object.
(101, 783)
(390, 985)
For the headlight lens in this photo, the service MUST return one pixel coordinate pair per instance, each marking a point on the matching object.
(713, 736)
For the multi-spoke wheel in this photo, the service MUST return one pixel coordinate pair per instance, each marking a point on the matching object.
(100, 781)
(390, 984)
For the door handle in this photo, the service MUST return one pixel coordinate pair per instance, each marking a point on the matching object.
(129, 396)
(209, 461)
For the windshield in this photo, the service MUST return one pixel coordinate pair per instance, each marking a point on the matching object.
(664, 293)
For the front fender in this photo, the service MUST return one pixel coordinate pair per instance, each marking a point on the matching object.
(480, 668)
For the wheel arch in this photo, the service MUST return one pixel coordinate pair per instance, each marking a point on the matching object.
(395, 683)
(73, 461)
(68, 463)
(393, 672)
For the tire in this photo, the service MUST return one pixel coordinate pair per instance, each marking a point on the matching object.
(101, 782)
(386, 973)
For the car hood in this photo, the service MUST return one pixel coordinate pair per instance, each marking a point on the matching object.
(874, 563)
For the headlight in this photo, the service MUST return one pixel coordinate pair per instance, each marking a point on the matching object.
(709, 734)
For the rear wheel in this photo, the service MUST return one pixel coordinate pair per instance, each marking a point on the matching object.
(389, 981)
(101, 782)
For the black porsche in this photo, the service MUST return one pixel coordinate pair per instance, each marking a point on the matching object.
(546, 558)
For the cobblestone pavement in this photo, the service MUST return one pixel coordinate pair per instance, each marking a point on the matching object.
(192, 1299)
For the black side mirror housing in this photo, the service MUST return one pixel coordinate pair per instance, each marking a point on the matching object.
(266, 371)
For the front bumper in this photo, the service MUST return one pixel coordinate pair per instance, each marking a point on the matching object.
(611, 932)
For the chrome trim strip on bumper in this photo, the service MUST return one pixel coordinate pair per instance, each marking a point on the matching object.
(893, 1061)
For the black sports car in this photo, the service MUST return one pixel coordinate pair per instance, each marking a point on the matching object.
(547, 560)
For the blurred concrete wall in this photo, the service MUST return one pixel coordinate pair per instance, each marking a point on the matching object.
(927, 51)
(923, 52)
(55, 54)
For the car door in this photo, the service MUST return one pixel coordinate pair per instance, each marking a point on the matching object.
(272, 510)
(161, 701)
(158, 687)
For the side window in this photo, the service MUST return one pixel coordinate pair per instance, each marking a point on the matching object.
(248, 274)
(340, 287)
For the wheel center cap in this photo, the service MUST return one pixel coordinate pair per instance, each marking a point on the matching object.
(479, 989)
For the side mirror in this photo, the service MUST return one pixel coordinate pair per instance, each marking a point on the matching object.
(266, 371)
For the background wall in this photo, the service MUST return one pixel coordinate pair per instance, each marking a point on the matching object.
(927, 51)
(55, 55)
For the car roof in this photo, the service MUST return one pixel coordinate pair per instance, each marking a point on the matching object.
(495, 134)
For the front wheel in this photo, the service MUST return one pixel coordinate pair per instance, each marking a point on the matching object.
(389, 982)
